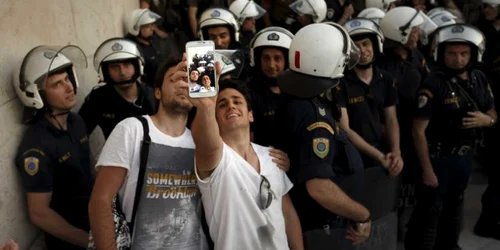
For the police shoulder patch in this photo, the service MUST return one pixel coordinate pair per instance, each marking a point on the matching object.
(321, 125)
(321, 147)
(422, 100)
(31, 165)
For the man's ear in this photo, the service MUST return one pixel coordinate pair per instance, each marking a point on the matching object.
(250, 116)
(157, 93)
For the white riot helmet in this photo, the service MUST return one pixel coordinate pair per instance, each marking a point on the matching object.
(379, 4)
(269, 37)
(459, 33)
(244, 9)
(492, 3)
(361, 26)
(443, 18)
(218, 17)
(317, 63)
(374, 14)
(116, 50)
(433, 11)
(137, 18)
(398, 23)
(316, 8)
(38, 64)
(231, 61)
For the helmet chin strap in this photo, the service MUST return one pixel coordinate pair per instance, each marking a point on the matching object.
(54, 115)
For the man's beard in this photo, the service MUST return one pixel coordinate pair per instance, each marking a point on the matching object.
(177, 107)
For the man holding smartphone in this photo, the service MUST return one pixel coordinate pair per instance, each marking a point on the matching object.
(241, 186)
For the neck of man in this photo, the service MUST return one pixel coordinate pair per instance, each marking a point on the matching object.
(143, 41)
(275, 89)
(364, 75)
(130, 93)
(402, 52)
(464, 76)
(170, 123)
(496, 24)
(59, 121)
(239, 141)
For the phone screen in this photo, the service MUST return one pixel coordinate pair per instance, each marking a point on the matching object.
(201, 65)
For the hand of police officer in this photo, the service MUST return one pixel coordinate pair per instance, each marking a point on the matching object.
(476, 119)
(429, 178)
(280, 158)
(359, 232)
(396, 163)
(348, 11)
(10, 245)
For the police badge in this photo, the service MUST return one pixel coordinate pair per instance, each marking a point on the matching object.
(215, 13)
(116, 47)
(457, 29)
(273, 37)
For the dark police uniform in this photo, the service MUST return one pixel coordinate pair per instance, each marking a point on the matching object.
(488, 222)
(264, 106)
(52, 160)
(365, 105)
(445, 100)
(105, 107)
(318, 149)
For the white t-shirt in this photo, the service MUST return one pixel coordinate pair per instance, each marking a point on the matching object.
(232, 203)
(123, 148)
(169, 211)
(210, 89)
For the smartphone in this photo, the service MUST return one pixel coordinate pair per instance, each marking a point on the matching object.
(201, 69)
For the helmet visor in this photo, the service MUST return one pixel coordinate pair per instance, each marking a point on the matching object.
(43, 60)
(353, 55)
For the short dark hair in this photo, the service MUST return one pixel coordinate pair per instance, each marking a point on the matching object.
(170, 62)
(237, 85)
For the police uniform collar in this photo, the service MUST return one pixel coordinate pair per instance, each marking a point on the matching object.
(56, 131)
(352, 76)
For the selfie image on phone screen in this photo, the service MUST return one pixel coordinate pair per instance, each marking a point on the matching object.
(201, 63)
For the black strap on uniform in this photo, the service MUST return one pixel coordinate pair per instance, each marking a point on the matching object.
(146, 141)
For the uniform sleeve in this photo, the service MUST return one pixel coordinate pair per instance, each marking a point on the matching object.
(35, 168)
(391, 98)
(487, 98)
(122, 144)
(316, 150)
(426, 95)
(340, 93)
(489, 102)
(88, 112)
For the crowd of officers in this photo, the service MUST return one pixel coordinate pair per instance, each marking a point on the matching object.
(404, 87)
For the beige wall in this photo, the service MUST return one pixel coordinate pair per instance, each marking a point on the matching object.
(25, 24)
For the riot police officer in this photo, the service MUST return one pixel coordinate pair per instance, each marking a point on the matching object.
(140, 27)
(367, 96)
(306, 12)
(488, 224)
(268, 57)
(53, 157)
(119, 64)
(246, 13)
(453, 104)
(220, 26)
(325, 167)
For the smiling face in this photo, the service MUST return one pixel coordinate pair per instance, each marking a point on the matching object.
(366, 48)
(272, 62)
(232, 111)
(206, 81)
(59, 92)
